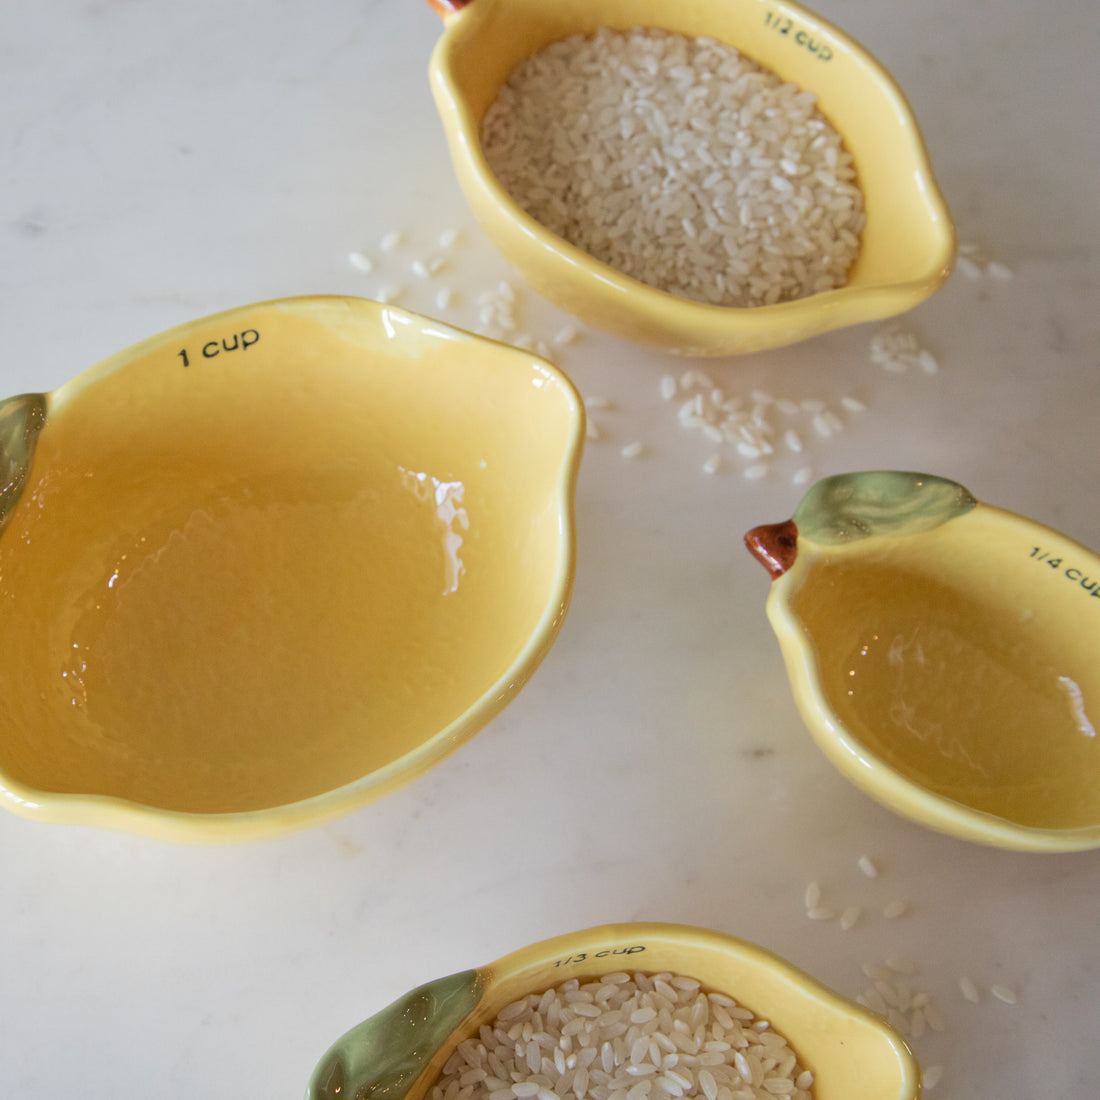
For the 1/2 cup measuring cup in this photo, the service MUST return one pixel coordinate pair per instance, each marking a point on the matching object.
(907, 247)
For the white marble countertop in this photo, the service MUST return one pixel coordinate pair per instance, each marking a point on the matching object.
(161, 161)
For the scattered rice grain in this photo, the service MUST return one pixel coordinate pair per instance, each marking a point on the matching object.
(928, 362)
(900, 965)
(968, 267)
(969, 990)
(867, 866)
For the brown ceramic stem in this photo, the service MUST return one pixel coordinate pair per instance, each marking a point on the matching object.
(447, 7)
(775, 546)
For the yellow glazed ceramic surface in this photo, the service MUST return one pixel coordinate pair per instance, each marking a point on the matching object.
(399, 1053)
(908, 246)
(943, 653)
(262, 568)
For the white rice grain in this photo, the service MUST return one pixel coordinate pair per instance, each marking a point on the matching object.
(899, 964)
(867, 866)
(927, 362)
(968, 267)
(850, 917)
(969, 990)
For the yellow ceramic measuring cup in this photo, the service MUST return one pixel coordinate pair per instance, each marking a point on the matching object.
(265, 567)
(943, 653)
(400, 1052)
(908, 245)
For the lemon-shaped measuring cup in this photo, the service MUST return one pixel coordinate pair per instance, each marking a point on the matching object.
(943, 653)
(267, 566)
(399, 1053)
(907, 247)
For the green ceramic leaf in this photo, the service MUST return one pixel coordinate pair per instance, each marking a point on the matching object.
(21, 419)
(878, 502)
(383, 1056)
